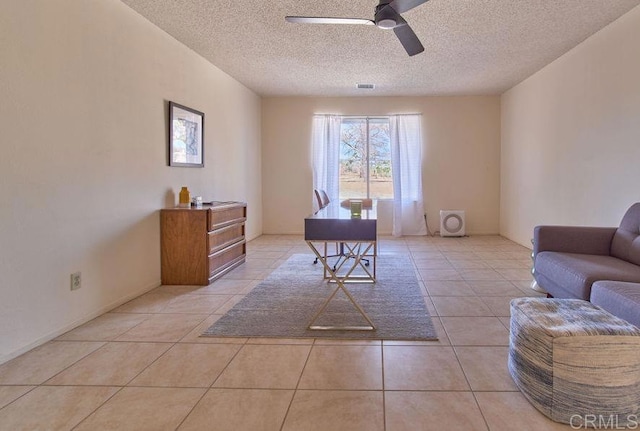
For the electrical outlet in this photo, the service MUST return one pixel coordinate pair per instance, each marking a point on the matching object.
(76, 281)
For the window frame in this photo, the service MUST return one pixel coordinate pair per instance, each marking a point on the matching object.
(367, 160)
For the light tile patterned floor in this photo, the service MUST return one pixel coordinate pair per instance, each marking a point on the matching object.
(144, 367)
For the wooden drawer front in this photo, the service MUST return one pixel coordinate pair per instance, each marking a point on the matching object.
(220, 260)
(224, 217)
(220, 238)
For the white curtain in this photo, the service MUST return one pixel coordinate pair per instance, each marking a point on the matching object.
(326, 154)
(406, 162)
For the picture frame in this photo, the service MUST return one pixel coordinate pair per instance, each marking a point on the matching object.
(186, 136)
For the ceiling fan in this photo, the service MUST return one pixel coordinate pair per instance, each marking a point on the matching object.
(387, 16)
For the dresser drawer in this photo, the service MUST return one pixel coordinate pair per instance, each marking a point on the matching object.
(226, 258)
(225, 216)
(221, 238)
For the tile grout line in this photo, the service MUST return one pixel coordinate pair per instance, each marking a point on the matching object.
(120, 388)
(295, 390)
(208, 388)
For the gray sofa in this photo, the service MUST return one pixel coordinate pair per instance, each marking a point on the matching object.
(598, 264)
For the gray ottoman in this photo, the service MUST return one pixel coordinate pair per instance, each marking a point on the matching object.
(573, 360)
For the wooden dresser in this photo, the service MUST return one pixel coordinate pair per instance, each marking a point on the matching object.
(199, 245)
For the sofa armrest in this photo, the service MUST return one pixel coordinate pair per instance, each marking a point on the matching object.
(573, 239)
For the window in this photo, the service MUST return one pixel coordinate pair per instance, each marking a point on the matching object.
(365, 158)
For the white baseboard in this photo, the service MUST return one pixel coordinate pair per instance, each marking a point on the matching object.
(90, 316)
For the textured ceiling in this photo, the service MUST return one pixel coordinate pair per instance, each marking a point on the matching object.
(472, 47)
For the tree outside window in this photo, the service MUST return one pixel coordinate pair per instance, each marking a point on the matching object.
(365, 158)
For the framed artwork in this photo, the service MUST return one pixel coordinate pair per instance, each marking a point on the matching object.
(186, 136)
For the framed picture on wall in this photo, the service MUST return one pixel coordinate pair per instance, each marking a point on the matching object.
(186, 136)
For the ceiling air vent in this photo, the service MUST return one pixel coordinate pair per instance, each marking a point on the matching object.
(366, 86)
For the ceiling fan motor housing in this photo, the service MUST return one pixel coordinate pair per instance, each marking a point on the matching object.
(386, 17)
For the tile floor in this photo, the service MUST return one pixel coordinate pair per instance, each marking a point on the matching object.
(143, 366)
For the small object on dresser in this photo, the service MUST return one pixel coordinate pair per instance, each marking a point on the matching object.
(196, 201)
(185, 198)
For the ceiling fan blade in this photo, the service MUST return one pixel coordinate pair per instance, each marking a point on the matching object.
(327, 20)
(402, 6)
(408, 38)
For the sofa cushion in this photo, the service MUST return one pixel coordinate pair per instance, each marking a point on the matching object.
(577, 272)
(626, 240)
(621, 299)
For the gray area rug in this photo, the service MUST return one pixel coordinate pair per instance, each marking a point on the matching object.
(284, 303)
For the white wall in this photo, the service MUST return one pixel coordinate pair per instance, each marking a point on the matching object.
(84, 88)
(571, 136)
(461, 166)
